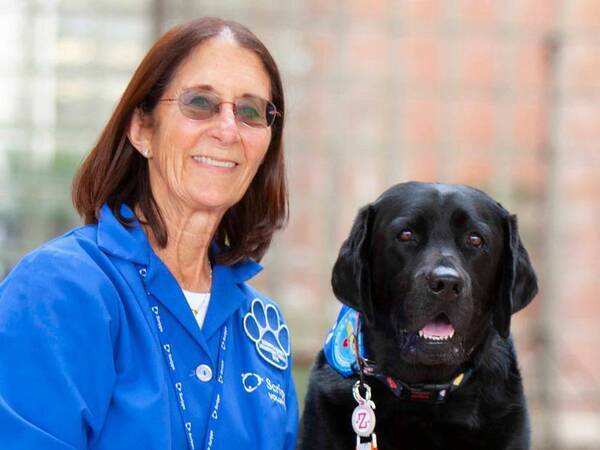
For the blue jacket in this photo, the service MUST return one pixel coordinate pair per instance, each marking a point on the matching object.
(99, 350)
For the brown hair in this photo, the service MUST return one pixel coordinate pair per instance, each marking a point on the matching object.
(115, 173)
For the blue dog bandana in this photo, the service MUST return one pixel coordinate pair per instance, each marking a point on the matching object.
(340, 345)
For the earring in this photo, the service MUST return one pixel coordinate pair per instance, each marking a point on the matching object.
(145, 152)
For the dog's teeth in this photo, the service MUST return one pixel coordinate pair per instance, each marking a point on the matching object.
(433, 337)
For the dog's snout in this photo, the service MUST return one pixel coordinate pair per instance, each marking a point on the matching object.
(445, 283)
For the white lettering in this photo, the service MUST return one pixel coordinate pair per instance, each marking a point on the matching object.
(275, 388)
(276, 399)
(188, 427)
(223, 341)
(275, 353)
(277, 394)
(221, 371)
(217, 402)
(159, 323)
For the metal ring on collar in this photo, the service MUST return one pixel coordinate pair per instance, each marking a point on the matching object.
(356, 392)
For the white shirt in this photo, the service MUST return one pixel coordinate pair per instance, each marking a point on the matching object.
(198, 302)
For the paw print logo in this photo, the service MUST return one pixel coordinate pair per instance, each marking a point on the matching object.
(263, 326)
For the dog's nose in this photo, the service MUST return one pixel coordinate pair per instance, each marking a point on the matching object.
(445, 283)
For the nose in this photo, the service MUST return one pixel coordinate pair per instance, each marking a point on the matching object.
(445, 283)
(226, 129)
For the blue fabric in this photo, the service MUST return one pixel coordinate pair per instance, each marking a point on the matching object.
(339, 347)
(85, 324)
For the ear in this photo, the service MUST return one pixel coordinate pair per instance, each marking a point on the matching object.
(518, 283)
(140, 133)
(351, 277)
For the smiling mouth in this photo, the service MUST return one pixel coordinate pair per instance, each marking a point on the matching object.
(214, 162)
(439, 329)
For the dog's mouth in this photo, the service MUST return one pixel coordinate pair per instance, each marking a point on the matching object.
(439, 329)
(436, 342)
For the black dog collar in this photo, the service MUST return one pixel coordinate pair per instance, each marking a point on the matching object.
(428, 393)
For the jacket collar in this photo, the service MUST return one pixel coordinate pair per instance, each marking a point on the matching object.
(130, 243)
(227, 296)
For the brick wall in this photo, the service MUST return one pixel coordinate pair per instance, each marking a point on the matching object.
(499, 95)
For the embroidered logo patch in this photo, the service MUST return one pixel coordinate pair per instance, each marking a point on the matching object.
(271, 337)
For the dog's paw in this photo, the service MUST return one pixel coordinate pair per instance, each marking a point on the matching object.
(271, 337)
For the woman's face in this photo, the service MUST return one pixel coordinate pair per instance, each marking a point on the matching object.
(207, 165)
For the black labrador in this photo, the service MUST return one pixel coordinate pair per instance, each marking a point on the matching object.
(435, 272)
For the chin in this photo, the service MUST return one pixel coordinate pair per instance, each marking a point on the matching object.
(207, 201)
(418, 350)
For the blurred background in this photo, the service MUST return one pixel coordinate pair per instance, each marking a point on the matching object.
(501, 95)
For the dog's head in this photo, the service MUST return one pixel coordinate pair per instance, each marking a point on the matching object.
(435, 270)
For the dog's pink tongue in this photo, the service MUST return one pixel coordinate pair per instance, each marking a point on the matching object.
(438, 328)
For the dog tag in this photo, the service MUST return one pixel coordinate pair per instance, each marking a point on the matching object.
(363, 416)
(363, 420)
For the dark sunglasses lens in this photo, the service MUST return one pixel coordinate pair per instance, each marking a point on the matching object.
(198, 105)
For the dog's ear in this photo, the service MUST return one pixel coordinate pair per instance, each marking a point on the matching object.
(518, 283)
(351, 277)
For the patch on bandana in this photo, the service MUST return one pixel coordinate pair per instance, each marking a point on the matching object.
(339, 343)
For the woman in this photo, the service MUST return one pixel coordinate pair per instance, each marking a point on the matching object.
(138, 330)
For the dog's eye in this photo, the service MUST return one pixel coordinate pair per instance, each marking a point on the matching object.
(406, 235)
(475, 240)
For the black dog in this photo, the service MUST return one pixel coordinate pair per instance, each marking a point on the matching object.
(435, 272)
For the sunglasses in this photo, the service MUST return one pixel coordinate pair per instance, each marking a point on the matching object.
(198, 104)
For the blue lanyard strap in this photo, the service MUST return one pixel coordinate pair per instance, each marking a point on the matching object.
(177, 380)
(218, 394)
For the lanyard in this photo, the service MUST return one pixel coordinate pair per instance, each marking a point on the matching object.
(163, 324)
(218, 394)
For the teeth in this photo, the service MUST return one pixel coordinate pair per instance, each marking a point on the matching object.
(214, 162)
(433, 337)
